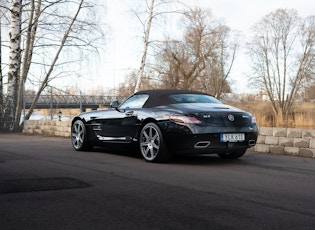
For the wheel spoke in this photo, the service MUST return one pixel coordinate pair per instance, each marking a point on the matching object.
(146, 136)
(155, 137)
(147, 152)
(144, 144)
(152, 153)
(155, 146)
(150, 132)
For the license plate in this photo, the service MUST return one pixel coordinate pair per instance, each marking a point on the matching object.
(232, 137)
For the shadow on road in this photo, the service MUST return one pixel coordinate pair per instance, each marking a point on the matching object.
(206, 159)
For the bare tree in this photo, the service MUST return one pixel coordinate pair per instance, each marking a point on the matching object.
(282, 53)
(183, 61)
(215, 78)
(203, 59)
(49, 72)
(310, 93)
(154, 9)
(55, 34)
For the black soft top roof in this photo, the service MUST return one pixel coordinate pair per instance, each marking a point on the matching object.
(158, 97)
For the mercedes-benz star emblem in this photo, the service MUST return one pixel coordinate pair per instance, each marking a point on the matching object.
(231, 117)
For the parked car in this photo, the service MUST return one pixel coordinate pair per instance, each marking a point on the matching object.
(166, 122)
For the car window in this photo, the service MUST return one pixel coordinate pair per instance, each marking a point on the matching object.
(194, 98)
(134, 102)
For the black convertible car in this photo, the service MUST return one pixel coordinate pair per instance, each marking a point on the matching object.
(166, 122)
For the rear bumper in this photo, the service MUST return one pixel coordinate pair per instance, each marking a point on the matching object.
(207, 143)
(184, 141)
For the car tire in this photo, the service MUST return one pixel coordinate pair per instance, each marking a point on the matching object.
(151, 143)
(233, 155)
(79, 136)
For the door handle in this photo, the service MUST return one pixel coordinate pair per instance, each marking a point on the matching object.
(129, 113)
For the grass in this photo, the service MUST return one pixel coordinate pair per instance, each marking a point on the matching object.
(301, 116)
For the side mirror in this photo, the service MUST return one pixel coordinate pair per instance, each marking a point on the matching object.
(114, 104)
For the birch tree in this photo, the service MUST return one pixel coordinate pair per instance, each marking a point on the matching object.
(145, 45)
(4, 22)
(14, 65)
(154, 9)
(55, 34)
(283, 57)
(1, 74)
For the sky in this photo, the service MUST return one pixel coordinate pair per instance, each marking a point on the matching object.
(123, 50)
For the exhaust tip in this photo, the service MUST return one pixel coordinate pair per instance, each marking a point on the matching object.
(202, 144)
(251, 142)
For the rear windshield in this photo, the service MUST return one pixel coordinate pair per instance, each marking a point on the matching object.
(194, 98)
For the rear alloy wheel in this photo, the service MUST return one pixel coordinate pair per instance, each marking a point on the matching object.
(152, 145)
(233, 155)
(79, 136)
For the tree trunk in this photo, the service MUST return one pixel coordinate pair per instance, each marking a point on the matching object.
(27, 57)
(145, 47)
(1, 81)
(14, 66)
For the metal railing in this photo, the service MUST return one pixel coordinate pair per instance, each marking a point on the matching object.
(70, 101)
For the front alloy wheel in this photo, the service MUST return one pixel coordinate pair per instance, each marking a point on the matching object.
(79, 137)
(152, 144)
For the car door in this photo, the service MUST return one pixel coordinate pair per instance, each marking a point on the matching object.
(122, 123)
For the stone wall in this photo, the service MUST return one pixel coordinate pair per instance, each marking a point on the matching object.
(47, 127)
(288, 141)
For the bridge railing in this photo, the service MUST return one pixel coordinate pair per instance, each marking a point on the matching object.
(70, 101)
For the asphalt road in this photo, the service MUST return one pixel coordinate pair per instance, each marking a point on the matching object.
(45, 184)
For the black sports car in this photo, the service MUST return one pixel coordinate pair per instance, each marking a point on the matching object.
(163, 122)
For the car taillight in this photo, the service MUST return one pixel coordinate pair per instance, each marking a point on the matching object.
(182, 119)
